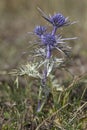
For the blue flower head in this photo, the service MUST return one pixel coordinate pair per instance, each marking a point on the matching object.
(48, 39)
(58, 20)
(39, 30)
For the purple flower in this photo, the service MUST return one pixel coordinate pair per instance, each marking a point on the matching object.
(40, 30)
(48, 39)
(57, 20)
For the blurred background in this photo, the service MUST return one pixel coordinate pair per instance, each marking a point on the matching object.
(17, 17)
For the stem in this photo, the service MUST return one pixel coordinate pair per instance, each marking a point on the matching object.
(39, 99)
(54, 30)
(43, 91)
(48, 51)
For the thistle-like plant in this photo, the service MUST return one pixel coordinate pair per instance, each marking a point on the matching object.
(43, 50)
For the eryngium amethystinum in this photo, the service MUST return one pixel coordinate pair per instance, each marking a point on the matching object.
(51, 40)
(48, 39)
(57, 20)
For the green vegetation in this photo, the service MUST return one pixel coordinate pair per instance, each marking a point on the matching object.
(64, 110)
